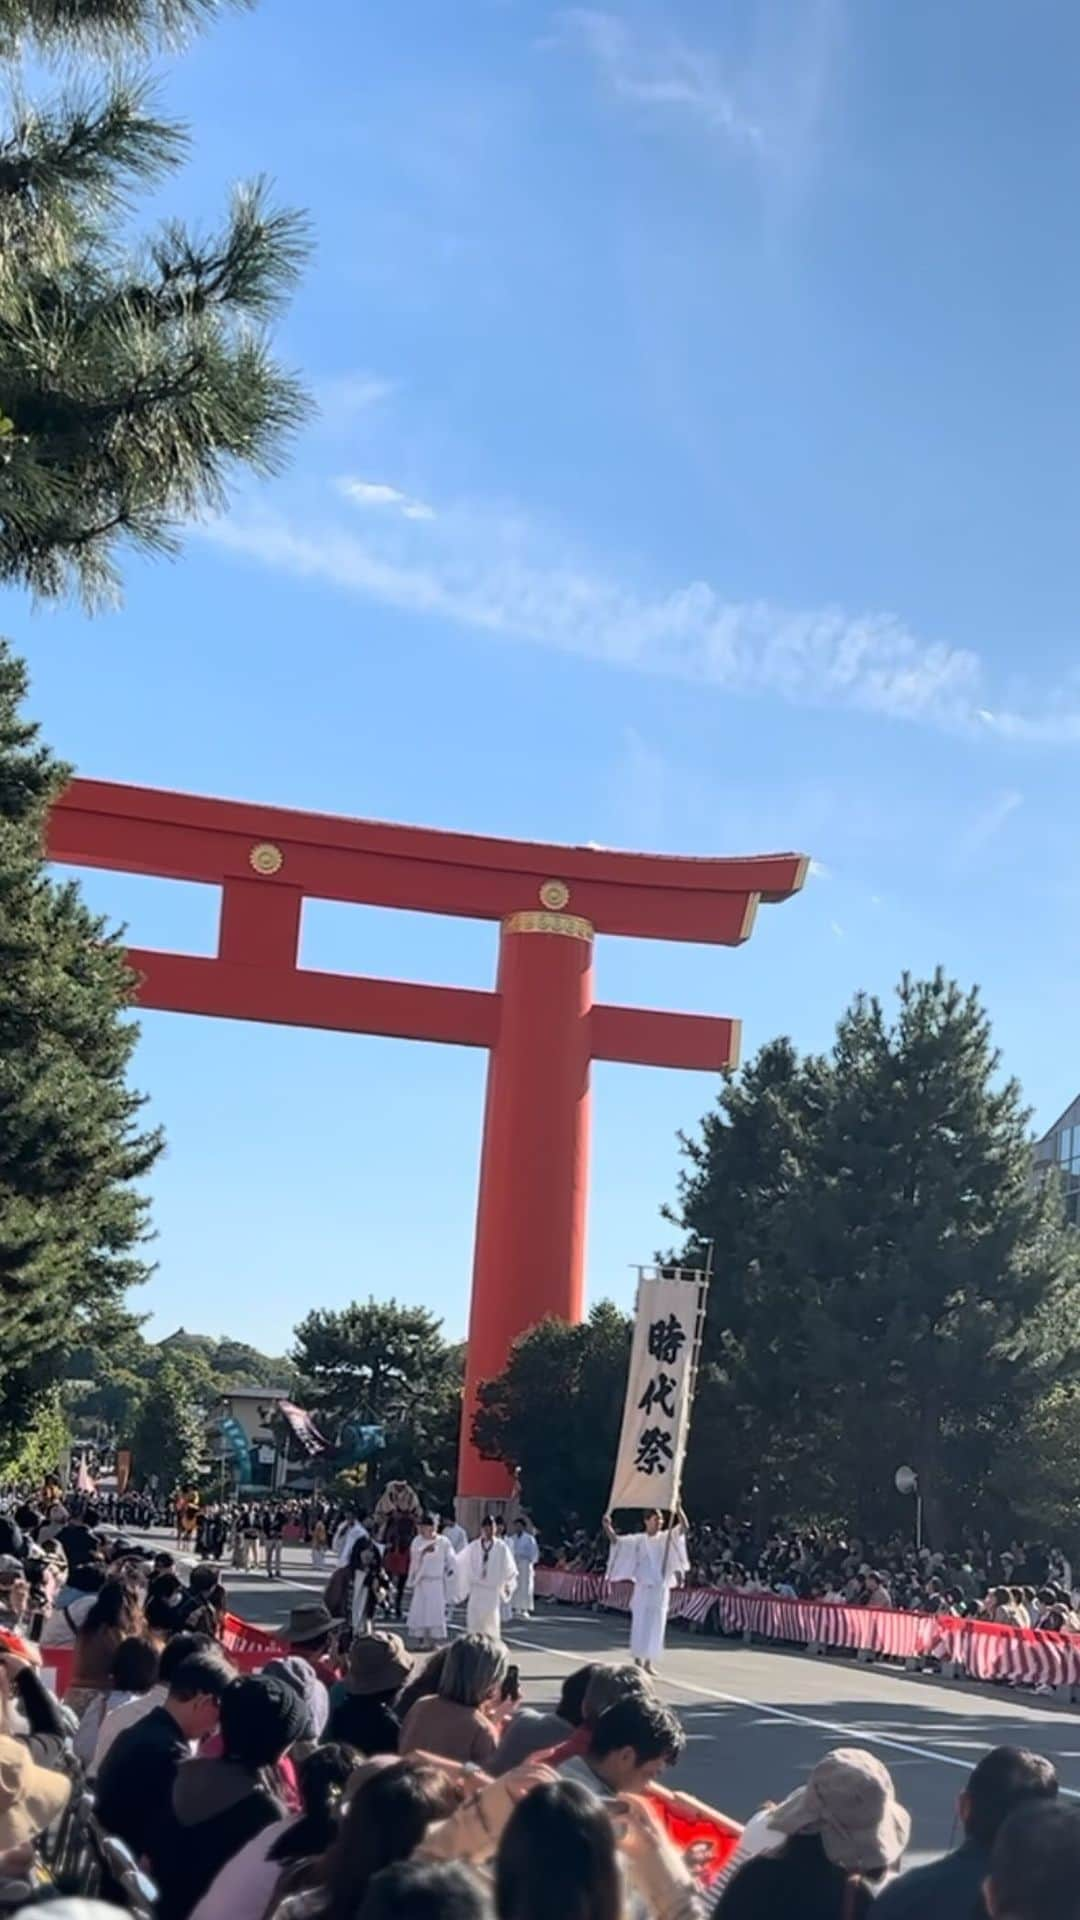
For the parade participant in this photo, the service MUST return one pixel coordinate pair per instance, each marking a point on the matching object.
(486, 1574)
(432, 1569)
(351, 1529)
(653, 1562)
(365, 1587)
(273, 1531)
(456, 1535)
(505, 1609)
(398, 1534)
(526, 1552)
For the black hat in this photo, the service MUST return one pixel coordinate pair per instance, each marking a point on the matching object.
(260, 1718)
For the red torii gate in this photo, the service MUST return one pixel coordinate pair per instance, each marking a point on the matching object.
(541, 1026)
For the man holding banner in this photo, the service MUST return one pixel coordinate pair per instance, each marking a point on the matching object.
(652, 1447)
(654, 1561)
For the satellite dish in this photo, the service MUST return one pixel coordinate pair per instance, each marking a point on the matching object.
(906, 1480)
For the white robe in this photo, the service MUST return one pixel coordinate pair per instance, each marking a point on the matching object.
(345, 1539)
(654, 1563)
(485, 1580)
(456, 1535)
(526, 1554)
(431, 1569)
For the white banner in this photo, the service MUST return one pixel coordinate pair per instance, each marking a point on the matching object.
(656, 1417)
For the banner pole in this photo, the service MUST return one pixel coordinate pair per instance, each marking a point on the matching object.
(702, 1277)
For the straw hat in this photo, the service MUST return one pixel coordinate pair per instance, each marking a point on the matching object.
(851, 1802)
(30, 1796)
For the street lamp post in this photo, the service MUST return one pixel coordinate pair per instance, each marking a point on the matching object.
(906, 1480)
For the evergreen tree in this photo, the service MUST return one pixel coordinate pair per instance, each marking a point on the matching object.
(553, 1416)
(890, 1289)
(168, 1441)
(132, 382)
(756, 1430)
(72, 1215)
(377, 1363)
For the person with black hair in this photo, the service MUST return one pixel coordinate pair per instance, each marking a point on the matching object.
(137, 1777)
(389, 1813)
(134, 1672)
(165, 1605)
(72, 1604)
(248, 1884)
(120, 1718)
(532, 1732)
(1006, 1778)
(1035, 1866)
(557, 1857)
(432, 1570)
(218, 1805)
(631, 1745)
(425, 1890)
(115, 1615)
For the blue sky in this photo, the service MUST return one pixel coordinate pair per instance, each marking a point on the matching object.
(696, 471)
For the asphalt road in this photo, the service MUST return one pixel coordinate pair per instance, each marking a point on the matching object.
(756, 1720)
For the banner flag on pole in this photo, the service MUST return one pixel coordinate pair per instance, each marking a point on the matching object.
(659, 1390)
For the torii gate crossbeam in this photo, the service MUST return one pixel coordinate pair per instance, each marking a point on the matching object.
(541, 1026)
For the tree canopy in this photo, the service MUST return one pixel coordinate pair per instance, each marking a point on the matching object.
(553, 1416)
(73, 1154)
(135, 380)
(889, 1286)
(377, 1363)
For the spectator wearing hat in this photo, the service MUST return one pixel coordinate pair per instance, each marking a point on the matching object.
(300, 1675)
(31, 1796)
(219, 1805)
(840, 1834)
(309, 1631)
(378, 1669)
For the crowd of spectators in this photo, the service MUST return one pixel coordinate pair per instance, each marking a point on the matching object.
(1024, 1584)
(358, 1783)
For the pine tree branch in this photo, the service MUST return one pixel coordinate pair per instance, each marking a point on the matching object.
(86, 152)
(103, 27)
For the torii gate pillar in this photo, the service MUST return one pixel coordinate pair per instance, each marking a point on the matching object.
(534, 1166)
(541, 1026)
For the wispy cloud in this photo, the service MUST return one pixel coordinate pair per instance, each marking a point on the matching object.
(376, 493)
(496, 573)
(986, 825)
(663, 75)
(343, 396)
(495, 576)
(819, 871)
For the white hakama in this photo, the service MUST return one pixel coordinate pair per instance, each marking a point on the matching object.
(432, 1569)
(526, 1554)
(654, 1562)
(487, 1576)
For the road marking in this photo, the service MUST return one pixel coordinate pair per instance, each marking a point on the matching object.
(862, 1735)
